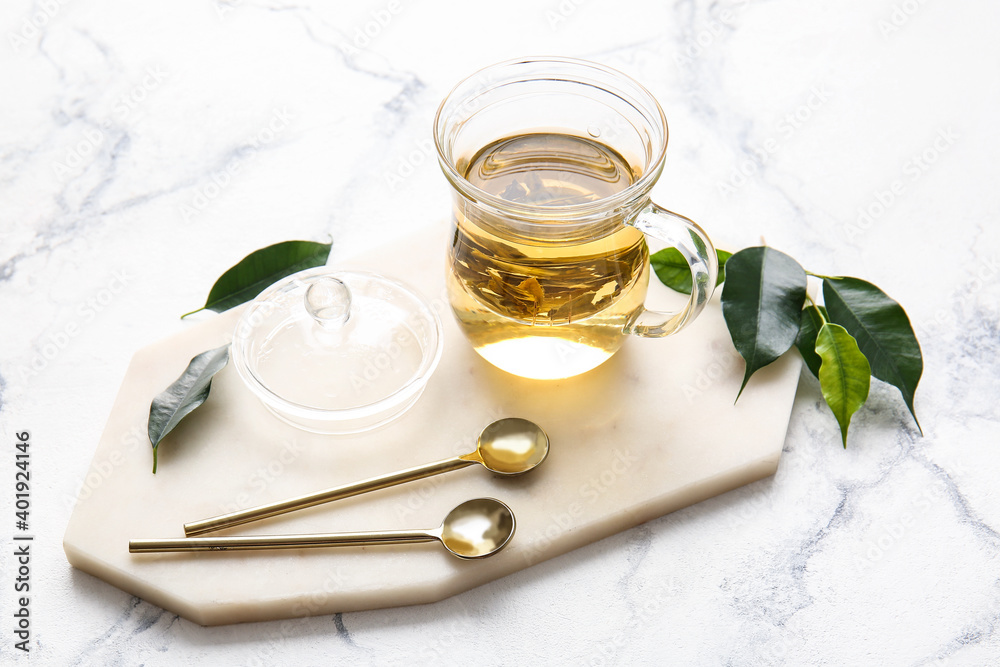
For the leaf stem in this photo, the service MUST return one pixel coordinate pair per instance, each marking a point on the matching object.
(812, 304)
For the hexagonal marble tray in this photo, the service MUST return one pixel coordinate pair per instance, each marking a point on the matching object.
(652, 430)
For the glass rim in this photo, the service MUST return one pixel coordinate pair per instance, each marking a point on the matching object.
(638, 189)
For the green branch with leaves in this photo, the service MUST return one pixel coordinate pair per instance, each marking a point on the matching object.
(858, 332)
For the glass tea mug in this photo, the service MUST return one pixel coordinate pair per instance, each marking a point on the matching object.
(551, 162)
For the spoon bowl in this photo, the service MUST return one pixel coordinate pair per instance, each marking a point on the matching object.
(512, 446)
(477, 528)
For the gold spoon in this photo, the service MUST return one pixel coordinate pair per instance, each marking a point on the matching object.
(509, 446)
(475, 529)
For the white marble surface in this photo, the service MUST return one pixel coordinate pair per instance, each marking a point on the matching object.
(120, 121)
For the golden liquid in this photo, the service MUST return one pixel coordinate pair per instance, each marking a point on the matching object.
(545, 307)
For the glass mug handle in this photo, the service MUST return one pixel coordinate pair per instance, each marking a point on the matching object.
(696, 248)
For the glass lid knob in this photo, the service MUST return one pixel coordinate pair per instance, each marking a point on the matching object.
(328, 301)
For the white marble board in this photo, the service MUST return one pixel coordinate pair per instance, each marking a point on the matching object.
(651, 431)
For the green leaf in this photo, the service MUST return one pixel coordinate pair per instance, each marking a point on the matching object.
(882, 330)
(261, 269)
(844, 375)
(761, 301)
(186, 393)
(810, 322)
(674, 272)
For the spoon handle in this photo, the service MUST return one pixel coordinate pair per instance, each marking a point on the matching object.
(246, 543)
(320, 497)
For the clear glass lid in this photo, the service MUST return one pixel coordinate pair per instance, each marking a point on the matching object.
(328, 345)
